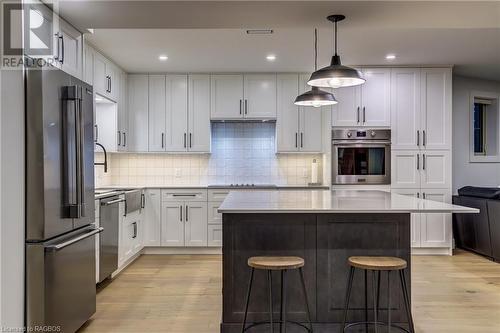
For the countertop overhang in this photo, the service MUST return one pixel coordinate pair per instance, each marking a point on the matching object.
(343, 201)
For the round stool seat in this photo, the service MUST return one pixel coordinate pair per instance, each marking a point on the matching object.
(378, 263)
(275, 263)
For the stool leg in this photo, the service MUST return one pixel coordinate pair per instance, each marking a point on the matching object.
(389, 300)
(248, 301)
(283, 302)
(347, 296)
(378, 290)
(375, 309)
(366, 301)
(270, 281)
(407, 301)
(306, 299)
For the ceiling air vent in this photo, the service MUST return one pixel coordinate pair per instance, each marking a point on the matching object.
(259, 31)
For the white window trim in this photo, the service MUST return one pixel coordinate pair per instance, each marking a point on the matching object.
(473, 158)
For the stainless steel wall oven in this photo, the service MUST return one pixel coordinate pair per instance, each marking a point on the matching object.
(361, 156)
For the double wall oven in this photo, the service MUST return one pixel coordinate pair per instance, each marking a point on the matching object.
(361, 156)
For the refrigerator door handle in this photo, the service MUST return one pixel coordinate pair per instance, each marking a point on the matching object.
(81, 164)
(72, 151)
(60, 246)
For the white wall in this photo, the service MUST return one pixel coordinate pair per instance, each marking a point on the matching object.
(464, 172)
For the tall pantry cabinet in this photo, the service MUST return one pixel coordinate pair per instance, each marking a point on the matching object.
(421, 149)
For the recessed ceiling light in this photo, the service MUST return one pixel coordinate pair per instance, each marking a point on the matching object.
(390, 56)
(271, 57)
(162, 57)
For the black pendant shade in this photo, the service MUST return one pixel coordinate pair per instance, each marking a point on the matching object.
(315, 97)
(336, 75)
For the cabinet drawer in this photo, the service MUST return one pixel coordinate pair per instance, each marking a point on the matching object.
(215, 235)
(214, 217)
(217, 195)
(184, 195)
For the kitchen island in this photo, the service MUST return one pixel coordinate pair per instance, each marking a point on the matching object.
(324, 228)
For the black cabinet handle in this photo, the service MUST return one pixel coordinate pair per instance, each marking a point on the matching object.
(240, 105)
(124, 139)
(135, 230)
(56, 56)
(143, 200)
(184, 140)
(119, 138)
(423, 195)
(357, 114)
(296, 140)
(418, 162)
(424, 139)
(190, 140)
(423, 161)
(110, 81)
(180, 212)
(187, 210)
(62, 48)
(301, 140)
(418, 138)
(163, 140)
(125, 208)
(364, 114)
(246, 106)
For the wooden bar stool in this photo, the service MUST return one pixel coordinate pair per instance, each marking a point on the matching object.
(282, 264)
(378, 265)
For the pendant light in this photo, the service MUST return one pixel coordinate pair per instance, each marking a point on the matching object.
(315, 97)
(336, 75)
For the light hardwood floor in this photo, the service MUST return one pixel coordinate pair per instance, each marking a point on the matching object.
(182, 294)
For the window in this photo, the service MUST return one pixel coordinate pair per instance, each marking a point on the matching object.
(479, 128)
(484, 127)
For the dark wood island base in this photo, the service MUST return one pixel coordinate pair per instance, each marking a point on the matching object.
(325, 241)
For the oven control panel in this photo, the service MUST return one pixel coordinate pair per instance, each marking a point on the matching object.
(361, 134)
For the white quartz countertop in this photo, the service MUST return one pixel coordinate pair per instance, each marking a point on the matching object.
(343, 201)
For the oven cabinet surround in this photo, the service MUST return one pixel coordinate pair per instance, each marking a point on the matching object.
(324, 228)
(243, 96)
(298, 129)
(367, 105)
(421, 120)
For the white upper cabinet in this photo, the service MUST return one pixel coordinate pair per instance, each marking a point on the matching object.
(405, 108)
(365, 105)
(137, 139)
(236, 96)
(287, 122)
(310, 138)
(88, 65)
(199, 113)
(259, 96)
(176, 136)
(436, 99)
(106, 77)
(375, 97)
(157, 116)
(226, 96)
(297, 128)
(70, 49)
(123, 112)
(346, 112)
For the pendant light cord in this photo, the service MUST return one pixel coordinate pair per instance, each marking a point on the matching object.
(315, 49)
(335, 36)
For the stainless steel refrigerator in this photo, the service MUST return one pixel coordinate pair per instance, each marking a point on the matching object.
(60, 235)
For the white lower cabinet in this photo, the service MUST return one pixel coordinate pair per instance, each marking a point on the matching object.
(430, 230)
(131, 236)
(195, 224)
(215, 235)
(183, 218)
(152, 219)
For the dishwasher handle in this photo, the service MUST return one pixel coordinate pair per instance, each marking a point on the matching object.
(112, 202)
(60, 246)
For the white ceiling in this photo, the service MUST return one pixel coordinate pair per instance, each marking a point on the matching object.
(208, 36)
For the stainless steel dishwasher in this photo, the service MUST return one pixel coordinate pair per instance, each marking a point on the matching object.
(108, 239)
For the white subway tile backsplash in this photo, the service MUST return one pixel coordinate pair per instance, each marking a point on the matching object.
(241, 153)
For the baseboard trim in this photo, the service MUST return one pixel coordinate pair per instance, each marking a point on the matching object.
(125, 264)
(182, 250)
(431, 251)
